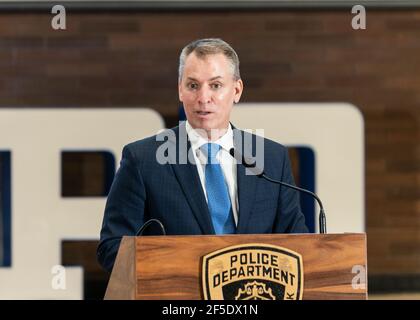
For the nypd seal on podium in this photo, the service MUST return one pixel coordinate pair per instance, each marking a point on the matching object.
(252, 271)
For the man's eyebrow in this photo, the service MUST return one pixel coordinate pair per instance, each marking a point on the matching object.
(211, 79)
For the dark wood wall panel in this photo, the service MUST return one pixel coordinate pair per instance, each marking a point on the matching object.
(130, 59)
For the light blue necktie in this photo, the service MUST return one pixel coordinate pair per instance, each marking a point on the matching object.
(218, 198)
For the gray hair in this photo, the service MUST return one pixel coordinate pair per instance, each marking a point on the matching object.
(204, 47)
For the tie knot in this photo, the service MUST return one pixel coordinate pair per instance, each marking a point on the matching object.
(211, 150)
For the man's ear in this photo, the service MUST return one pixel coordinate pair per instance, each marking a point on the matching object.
(179, 92)
(239, 87)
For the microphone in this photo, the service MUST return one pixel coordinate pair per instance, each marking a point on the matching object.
(148, 223)
(260, 173)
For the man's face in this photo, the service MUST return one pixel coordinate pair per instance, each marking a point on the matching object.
(208, 90)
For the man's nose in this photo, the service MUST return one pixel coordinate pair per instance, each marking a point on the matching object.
(204, 96)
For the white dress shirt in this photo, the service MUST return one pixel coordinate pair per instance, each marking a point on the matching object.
(227, 162)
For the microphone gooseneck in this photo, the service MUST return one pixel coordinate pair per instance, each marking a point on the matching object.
(148, 223)
(261, 174)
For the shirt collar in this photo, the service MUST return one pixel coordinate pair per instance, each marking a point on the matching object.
(196, 140)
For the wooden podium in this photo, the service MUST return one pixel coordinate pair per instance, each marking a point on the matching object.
(333, 266)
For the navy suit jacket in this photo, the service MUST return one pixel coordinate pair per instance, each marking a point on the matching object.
(144, 189)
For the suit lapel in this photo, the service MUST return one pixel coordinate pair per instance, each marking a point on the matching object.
(247, 184)
(188, 178)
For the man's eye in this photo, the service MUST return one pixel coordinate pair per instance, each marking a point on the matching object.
(216, 86)
(192, 86)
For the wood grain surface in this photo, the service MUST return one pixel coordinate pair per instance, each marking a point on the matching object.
(122, 285)
(170, 267)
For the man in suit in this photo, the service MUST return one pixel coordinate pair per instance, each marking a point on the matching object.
(197, 187)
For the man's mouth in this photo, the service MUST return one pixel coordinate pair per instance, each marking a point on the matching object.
(203, 113)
